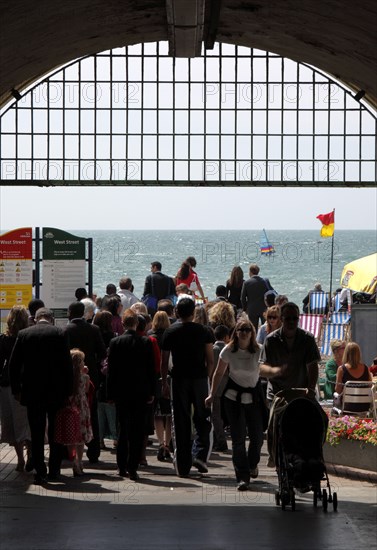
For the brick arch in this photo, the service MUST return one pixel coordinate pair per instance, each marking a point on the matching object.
(336, 36)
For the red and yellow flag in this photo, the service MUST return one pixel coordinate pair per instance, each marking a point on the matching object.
(327, 220)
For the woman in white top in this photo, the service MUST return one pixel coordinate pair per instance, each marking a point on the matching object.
(243, 399)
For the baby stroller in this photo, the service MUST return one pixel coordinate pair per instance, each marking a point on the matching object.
(296, 433)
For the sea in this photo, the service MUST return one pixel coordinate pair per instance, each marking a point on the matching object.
(301, 258)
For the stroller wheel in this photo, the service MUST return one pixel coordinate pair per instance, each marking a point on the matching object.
(284, 500)
(293, 501)
(324, 500)
(277, 498)
(335, 502)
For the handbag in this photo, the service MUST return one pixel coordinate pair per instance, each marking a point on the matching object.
(4, 371)
(150, 301)
(4, 375)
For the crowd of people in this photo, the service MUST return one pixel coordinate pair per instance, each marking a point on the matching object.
(169, 363)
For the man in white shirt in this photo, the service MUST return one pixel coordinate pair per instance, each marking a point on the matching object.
(127, 297)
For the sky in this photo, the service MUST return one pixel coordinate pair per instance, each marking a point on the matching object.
(187, 208)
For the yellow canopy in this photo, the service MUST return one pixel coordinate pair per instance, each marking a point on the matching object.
(361, 275)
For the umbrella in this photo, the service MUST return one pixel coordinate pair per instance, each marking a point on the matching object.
(361, 275)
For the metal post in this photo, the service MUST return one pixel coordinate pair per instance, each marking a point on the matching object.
(37, 262)
(90, 266)
(332, 262)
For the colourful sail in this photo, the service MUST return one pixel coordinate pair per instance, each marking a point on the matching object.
(265, 245)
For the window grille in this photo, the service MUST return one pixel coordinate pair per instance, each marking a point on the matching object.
(235, 116)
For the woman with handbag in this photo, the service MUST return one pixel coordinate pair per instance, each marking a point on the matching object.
(13, 416)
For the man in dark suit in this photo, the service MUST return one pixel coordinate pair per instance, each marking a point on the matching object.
(41, 377)
(131, 384)
(87, 337)
(252, 296)
(158, 286)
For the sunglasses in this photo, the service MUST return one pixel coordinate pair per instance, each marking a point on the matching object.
(272, 317)
(244, 330)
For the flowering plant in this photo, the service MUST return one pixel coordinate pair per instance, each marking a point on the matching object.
(351, 427)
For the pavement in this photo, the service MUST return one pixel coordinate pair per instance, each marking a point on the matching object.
(205, 511)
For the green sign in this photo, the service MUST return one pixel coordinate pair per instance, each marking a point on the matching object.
(60, 245)
(63, 267)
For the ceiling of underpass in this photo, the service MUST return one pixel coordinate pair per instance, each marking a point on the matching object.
(335, 36)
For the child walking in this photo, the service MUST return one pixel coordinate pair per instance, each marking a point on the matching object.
(73, 426)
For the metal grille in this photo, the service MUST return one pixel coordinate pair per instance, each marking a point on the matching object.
(235, 116)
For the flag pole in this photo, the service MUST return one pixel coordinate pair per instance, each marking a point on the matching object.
(332, 262)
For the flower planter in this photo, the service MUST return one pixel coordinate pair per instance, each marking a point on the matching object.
(354, 454)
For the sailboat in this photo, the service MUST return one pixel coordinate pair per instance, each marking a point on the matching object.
(266, 247)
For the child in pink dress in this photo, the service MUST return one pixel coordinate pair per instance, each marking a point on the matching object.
(73, 426)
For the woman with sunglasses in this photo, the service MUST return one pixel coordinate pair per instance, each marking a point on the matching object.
(273, 322)
(243, 400)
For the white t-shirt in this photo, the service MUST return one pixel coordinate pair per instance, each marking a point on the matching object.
(127, 298)
(243, 369)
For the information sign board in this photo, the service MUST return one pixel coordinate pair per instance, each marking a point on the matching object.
(16, 267)
(63, 265)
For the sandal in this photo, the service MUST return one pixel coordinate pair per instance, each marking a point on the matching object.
(76, 469)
